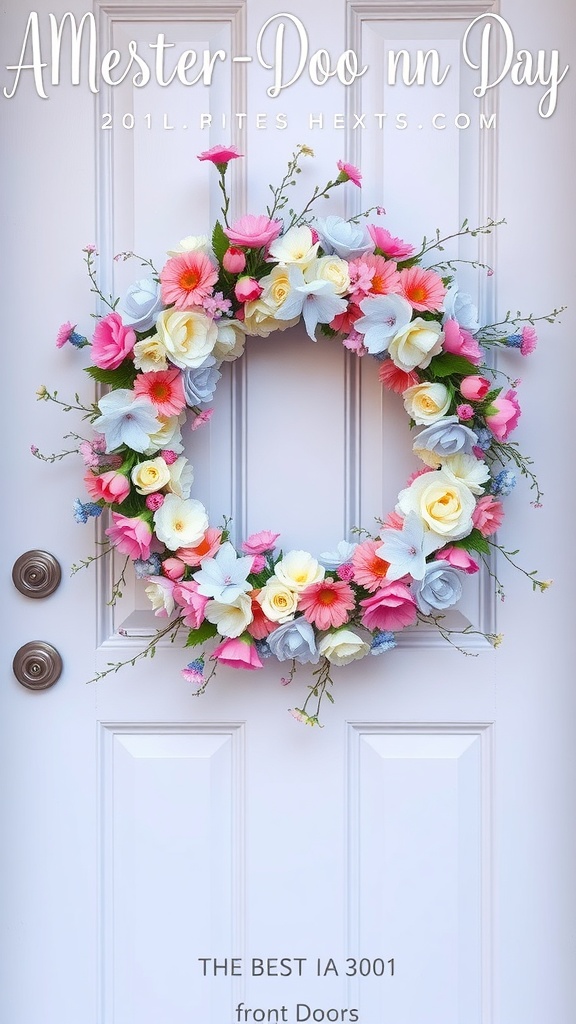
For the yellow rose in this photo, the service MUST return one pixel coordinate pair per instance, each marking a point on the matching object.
(278, 601)
(426, 403)
(150, 476)
(330, 268)
(416, 343)
(298, 570)
(442, 502)
(187, 335)
(150, 355)
(260, 315)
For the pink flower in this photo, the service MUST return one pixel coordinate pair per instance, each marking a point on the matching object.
(349, 173)
(169, 457)
(132, 536)
(193, 603)
(258, 563)
(259, 543)
(423, 289)
(111, 487)
(64, 333)
(373, 275)
(464, 411)
(164, 389)
(173, 568)
(89, 454)
(390, 246)
(234, 260)
(529, 340)
(201, 418)
(326, 604)
(355, 343)
(345, 572)
(187, 279)
(369, 569)
(207, 548)
(391, 608)
(461, 343)
(216, 305)
(154, 501)
(474, 388)
(393, 521)
(395, 379)
(220, 155)
(247, 289)
(261, 626)
(238, 652)
(488, 515)
(253, 232)
(458, 559)
(344, 322)
(112, 342)
(503, 414)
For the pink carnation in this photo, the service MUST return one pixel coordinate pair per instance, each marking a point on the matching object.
(461, 343)
(488, 515)
(395, 379)
(391, 608)
(111, 487)
(348, 172)
(258, 563)
(154, 501)
(237, 653)
(64, 333)
(193, 603)
(503, 414)
(458, 559)
(326, 604)
(220, 154)
(187, 279)
(529, 340)
(259, 543)
(132, 536)
(464, 411)
(203, 417)
(207, 548)
(424, 289)
(112, 342)
(253, 232)
(390, 246)
(355, 343)
(345, 572)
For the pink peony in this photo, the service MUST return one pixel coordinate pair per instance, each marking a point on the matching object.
(220, 155)
(349, 173)
(369, 569)
(390, 246)
(207, 548)
(503, 414)
(461, 343)
(391, 608)
(395, 379)
(164, 389)
(326, 604)
(253, 232)
(132, 536)
(424, 289)
(111, 487)
(458, 559)
(474, 388)
(488, 515)
(529, 340)
(259, 543)
(193, 603)
(173, 568)
(187, 279)
(238, 652)
(112, 342)
(234, 261)
(247, 289)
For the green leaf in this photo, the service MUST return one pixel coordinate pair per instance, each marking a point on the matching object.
(474, 542)
(220, 242)
(200, 635)
(123, 377)
(328, 331)
(447, 364)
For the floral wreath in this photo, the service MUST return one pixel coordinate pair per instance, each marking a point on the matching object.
(161, 354)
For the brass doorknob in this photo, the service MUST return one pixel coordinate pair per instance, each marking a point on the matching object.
(37, 665)
(36, 573)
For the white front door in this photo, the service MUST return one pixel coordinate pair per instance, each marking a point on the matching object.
(170, 858)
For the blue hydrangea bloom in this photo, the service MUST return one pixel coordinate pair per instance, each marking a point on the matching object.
(83, 510)
(383, 641)
(514, 340)
(485, 438)
(149, 567)
(503, 483)
(78, 340)
(194, 672)
(263, 648)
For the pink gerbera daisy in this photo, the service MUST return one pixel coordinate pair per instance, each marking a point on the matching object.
(423, 288)
(187, 279)
(381, 274)
(395, 379)
(326, 604)
(164, 389)
(369, 570)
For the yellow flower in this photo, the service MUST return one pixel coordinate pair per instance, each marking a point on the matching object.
(150, 476)
(278, 601)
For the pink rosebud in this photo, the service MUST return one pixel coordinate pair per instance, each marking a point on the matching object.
(173, 568)
(488, 515)
(529, 340)
(154, 501)
(474, 388)
(259, 543)
(111, 487)
(464, 411)
(247, 289)
(237, 652)
(503, 414)
(112, 342)
(458, 559)
(461, 343)
(234, 260)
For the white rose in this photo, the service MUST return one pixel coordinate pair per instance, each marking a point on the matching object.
(192, 243)
(468, 470)
(425, 403)
(415, 344)
(442, 502)
(150, 355)
(295, 247)
(181, 477)
(187, 335)
(169, 436)
(180, 522)
(278, 602)
(230, 340)
(150, 476)
(230, 619)
(342, 647)
(298, 570)
(330, 268)
(159, 593)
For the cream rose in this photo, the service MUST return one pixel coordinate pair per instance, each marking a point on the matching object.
(416, 344)
(187, 335)
(260, 315)
(442, 502)
(159, 593)
(330, 268)
(278, 602)
(467, 470)
(169, 435)
(230, 340)
(231, 619)
(425, 403)
(295, 247)
(150, 476)
(298, 570)
(342, 647)
(181, 477)
(150, 355)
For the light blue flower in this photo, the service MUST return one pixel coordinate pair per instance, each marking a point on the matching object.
(383, 641)
(459, 306)
(384, 316)
(485, 438)
(503, 483)
(406, 549)
(342, 555)
(446, 437)
(316, 301)
(224, 577)
(200, 382)
(340, 236)
(78, 340)
(83, 510)
(294, 641)
(141, 304)
(126, 420)
(263, 648)
(441, 587)
(513, 341)
(147, 567)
